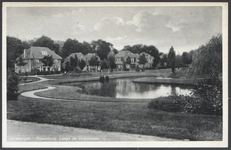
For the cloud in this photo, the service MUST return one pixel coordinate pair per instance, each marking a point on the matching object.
(109, 23)
(147, 21)
(111, 39)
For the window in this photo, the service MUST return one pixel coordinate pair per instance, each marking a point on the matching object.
(56, 61)
(36, 61)
(44, 53)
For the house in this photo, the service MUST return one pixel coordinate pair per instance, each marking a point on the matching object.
(121, 59)
(32, 60)
(73, 55)
(87, 58)
(149, 59)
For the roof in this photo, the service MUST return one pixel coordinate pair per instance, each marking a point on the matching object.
(89, 55)
(146, 54)
(77, 54)
(37, 53)
(124, 53)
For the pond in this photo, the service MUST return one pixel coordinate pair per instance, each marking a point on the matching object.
(125, 88)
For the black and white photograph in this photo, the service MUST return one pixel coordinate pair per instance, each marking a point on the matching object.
(115, 74)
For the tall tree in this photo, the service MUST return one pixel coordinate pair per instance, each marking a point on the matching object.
(48, 61)
(171, 58)
(142, 60)
(207, 59)
(94, 61)
(71, 46)
(178, 61)
(12, 85)
(87, 48)
(102, 48)
(82, 64)
(15, 48)
(128, 60)
(185, 58)
(45, 41)
(20, 63)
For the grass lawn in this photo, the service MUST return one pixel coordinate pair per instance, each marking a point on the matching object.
(126, 117)
(108, 114)
(24, 79)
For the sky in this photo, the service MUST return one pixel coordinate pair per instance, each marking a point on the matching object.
(183, 27)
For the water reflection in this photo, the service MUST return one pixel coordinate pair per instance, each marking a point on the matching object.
(125, 88)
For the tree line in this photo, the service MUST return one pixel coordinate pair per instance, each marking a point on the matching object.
(15, 48)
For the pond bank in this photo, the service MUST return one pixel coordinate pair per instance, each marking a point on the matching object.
(152, 80)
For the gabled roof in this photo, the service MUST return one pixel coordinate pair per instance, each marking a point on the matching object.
(89, 55)
(126, 53)
(37, 53)
(146, 54)
(77, 54)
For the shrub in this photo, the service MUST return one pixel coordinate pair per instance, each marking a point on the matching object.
(171, 103)
(207, 98)
(137, 68)
(12, 85)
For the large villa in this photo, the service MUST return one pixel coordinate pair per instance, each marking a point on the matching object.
(32, 60)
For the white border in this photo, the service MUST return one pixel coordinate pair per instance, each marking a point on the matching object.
(223, 143)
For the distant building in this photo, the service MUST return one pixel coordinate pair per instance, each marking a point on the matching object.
(79, 55)
(32, 58)
(121, 60)
(149, 59)
(86, 58)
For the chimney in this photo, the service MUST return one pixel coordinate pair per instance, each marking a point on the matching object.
(24, 53)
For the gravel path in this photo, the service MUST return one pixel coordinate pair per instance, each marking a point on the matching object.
(30, 131)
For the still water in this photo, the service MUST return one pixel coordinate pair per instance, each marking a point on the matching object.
(125, 88)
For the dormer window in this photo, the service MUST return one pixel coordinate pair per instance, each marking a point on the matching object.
(44, 53)
(56, 61)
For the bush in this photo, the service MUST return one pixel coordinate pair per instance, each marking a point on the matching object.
(137, 68)
(12, 85)
(205, 99)
(171, 103)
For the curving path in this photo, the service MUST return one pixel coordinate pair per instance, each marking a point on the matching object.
(31, 94)
(41, 80)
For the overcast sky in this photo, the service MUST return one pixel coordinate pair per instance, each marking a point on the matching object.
(184, 28)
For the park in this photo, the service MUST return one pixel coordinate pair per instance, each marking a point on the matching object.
(59, 99)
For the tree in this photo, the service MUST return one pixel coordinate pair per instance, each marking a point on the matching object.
(178, 61)
(185, 58)
(156, 61)
(164, 60)
(94, 61)
(104, 64)
(71, 46)
(171, 58)
(87, 48)
(111, 61)
(15, 48)
(20, 63)
(45, 41)
(142, 60)
(128, 60)
(12, 85)
(72, 63)
(48, 61)
(102, 48)
(67, 66)
(207, 59)
(82, 64)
